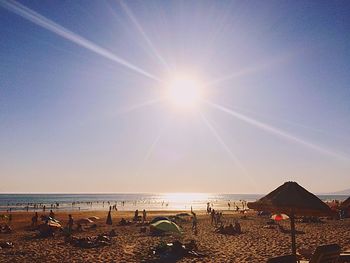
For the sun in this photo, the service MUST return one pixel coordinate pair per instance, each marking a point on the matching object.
(184, 92)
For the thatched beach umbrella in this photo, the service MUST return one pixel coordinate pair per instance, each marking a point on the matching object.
(292, 199)
(345, 207)
(346, 203)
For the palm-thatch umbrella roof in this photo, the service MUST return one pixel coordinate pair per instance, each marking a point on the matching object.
(346, 203)
(292, 199)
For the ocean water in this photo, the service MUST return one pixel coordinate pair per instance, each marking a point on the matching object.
(130, 202)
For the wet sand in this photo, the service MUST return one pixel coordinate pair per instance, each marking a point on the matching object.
(255, 244)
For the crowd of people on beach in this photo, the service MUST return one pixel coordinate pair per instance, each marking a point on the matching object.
(137, 217)
(216, 218)
(75, 205)
(51, 224)
(219, 222)
(100, 204)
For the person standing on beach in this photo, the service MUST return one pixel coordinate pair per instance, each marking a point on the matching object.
(10, 219)
(237, 227)
(109, 217)
(194, 222)
(35, 219)
(212, 214)
(52, 214)
(144, 216)
(70, 223)
(136, 216)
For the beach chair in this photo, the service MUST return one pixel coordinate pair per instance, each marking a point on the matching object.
(325, 254)
(283, 259)
(344, 257)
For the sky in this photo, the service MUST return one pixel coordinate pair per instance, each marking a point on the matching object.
(82, 105)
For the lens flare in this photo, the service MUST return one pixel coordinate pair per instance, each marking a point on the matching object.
(184, 92)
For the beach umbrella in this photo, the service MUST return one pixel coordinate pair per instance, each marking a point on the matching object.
(84, 221)
(345, 206)
(166, 226)
(346, 203)
(292, 199)
(279, 217)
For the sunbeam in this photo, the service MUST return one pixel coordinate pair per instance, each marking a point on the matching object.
(140, 105)
(143, 33)
(293, 123)
(48, 24)
(222, 143)
(148, 153)
(250, 70)
(150, 150)
(227, 149)
(275, 131)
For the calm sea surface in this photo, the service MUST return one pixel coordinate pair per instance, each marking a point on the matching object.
(129, 202)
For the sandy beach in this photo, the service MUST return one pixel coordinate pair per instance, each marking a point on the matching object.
(255, 244)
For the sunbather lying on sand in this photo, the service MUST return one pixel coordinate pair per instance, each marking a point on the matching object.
(124, 222)
(230, 229)
(176, 250)
(6, 244)
(89, 242)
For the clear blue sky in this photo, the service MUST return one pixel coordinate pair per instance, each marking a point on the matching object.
(80, 83)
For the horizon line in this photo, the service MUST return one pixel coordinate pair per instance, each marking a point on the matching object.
(148, 193)
(126, 193)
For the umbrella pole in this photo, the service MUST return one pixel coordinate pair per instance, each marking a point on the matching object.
(292, 230)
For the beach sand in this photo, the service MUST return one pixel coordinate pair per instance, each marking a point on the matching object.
(255, 244)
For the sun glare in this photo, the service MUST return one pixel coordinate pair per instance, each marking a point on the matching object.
(184, 92)
(185, 197)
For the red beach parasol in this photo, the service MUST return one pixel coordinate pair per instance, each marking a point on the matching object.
(279, 217)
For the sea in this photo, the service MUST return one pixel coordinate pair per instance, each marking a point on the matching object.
(131, 202)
